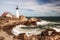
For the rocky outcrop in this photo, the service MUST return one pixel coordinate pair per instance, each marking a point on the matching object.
(26, 21)
(32, 21)
(23, 36)
(23, 18)
(43, 36)
(53, 35)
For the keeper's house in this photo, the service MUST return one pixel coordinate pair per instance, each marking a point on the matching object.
(7, 14)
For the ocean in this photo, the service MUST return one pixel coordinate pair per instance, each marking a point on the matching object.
(54, 23)
(56, 19)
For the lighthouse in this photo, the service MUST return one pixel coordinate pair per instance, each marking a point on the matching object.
(17, 12)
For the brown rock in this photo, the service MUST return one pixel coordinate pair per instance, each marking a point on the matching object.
(1, 38)
(33, 19)
(33, 37)
(23, 18)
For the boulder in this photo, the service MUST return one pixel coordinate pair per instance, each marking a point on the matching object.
(33, 19)
(23, 18)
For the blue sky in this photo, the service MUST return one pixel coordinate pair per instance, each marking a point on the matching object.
(31, 7)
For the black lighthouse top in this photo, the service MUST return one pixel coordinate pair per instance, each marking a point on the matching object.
(17, 7)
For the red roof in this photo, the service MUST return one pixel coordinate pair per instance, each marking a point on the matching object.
(5, 13)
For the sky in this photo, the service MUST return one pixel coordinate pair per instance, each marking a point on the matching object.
(31, 7)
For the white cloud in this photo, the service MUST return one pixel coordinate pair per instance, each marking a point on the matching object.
(34, 6)
(30, 4)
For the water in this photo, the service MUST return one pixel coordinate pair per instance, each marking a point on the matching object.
(29, 31)
(52, 23)
(55, 19)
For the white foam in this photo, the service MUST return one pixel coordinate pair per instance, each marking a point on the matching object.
(57, 29)
(42, 22)
(17, 30)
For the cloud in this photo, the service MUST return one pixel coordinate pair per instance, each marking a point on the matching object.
(57, 5)
(43, 10)
(47, 1)
(32, 7)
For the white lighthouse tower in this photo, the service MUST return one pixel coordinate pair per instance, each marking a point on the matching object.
(17, 12)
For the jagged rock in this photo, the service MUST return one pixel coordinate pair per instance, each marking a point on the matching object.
(23, 18)
(54, 35)
(33, 19)
(33, 37)
(47, 32)
(1, 38)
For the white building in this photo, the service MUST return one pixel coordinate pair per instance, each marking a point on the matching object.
(7, 14)
(17, 12)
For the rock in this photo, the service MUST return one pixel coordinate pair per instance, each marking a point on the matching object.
(33, 19)
(47, 32)
(1, 38)
(23, 18)
(33, 37)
